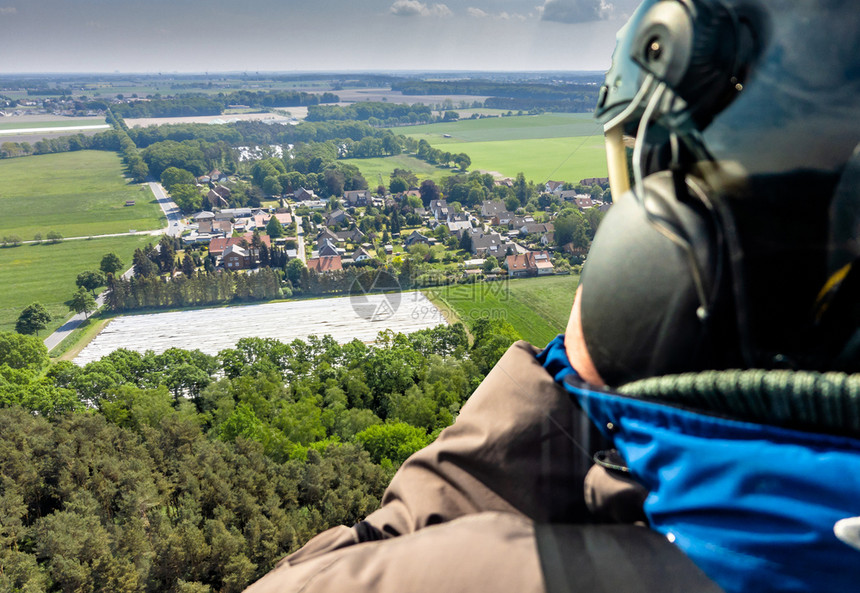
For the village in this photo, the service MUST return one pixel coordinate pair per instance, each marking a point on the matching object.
(486, 242)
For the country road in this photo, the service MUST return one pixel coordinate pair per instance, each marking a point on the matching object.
(174, 228)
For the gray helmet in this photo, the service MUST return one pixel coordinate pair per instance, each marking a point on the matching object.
(734, 245)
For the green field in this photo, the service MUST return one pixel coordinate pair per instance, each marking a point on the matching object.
(525, 127)
(64, 123)
(372, 169)
(78, 194)
(538, 308)
(563, 159)
(46, 273)
(559, 146)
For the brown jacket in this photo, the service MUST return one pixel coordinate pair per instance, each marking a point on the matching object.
(517, 455)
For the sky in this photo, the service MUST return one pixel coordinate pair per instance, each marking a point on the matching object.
(150, 36)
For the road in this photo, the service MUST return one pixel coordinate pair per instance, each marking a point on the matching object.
(76, 320)
(174, 228)
(170, 209)
(300, 233)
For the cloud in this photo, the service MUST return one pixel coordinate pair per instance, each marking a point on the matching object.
(477, 13)
(8, 10)
(577, 11)
(416, 8)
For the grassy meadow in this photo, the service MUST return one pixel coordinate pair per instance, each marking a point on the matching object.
(538, 308)
(560, 146)
(77, 194)
(498, 129)
(372, 169)
(46, 273)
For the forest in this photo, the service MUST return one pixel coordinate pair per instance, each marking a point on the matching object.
(189, 473)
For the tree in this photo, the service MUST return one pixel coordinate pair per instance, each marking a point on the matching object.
(398, 185)
(166, 255)
(90, 280)
(82, 302)
(463, 160)
(54, 237)
(466, 242)
(490, 264)
(33, 319)
(174, 176)
(187, 197)
(429, 191)
(571, 227)
(111, 263)
(274, 228)
(294, 271)
(188, 266)
(22, 352)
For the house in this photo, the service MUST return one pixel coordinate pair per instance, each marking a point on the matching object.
(236, 257)
(547, 239)
(439, 209)
(520, 221)
(456, 228)
(352, 235)
(502, 219)
(532, 263)
(553, 187)
(570, 195)
(325, 264)
(594, 181)
(389, 249)
(416, 238)
(486, 244)
(327, 248)
(360, 255)
(326, 235)
(356, 197)
(537, 228)
(218, 246)
(216, 200)
(337, 217)
(304, 195)
(583, 202)
(491, 208)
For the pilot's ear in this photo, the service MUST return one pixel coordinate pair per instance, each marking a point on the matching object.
(574, 345)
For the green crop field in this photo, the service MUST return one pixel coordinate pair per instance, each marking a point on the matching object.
(560, 146)
(564, 159)
(538, 308)
(77, 194)
(46, 273)
(373, 168)
(525, 127)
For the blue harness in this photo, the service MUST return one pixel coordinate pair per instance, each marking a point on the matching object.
(754, 506)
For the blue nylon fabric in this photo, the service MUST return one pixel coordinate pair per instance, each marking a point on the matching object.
(752, 505)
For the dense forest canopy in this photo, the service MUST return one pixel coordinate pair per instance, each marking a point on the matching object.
(183, 472)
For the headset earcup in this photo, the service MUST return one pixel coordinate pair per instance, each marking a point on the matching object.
(641, 306)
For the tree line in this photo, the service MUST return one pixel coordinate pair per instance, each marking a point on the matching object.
(182, 472)
(192, 104)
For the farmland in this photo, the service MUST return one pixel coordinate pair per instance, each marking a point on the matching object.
(538, 308)
(497, 129)
(563, 146)
(46, 273)
(372, 169)
(77, 194)
(215, 329)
